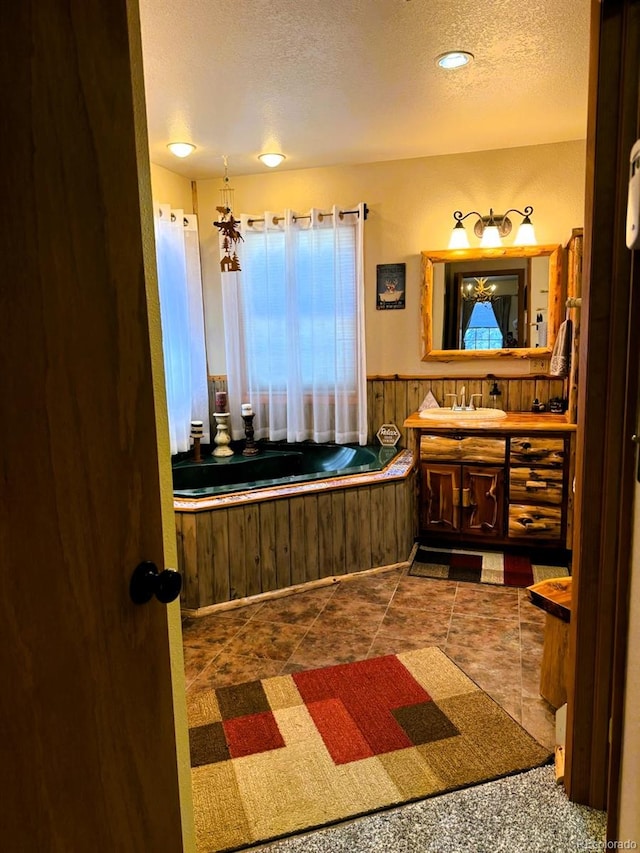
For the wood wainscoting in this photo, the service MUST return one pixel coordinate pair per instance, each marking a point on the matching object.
(391, 399)
(234, 551)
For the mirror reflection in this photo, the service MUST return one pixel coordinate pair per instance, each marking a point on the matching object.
(490, 302)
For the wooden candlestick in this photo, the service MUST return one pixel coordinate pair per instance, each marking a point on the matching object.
(196, 435)
(250, 447)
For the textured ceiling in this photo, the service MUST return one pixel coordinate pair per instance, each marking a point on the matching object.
(331, 82)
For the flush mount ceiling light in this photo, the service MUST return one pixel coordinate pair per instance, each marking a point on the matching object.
(454, 59)
(271, 160)
(492, 228)
(181, 149)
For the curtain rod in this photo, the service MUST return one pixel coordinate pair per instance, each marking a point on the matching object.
(321, 216)
(185, 221)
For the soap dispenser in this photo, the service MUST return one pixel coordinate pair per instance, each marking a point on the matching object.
(494, 394)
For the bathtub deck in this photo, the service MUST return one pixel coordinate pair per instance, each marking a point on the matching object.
(397, 469)
(247, 543)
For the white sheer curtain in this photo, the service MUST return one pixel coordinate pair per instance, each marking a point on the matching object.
(294, 326)
(182, 320)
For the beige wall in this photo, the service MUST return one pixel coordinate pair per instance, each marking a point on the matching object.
(411, 203)
(169, 188)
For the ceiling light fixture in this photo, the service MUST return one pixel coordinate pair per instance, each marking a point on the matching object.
(454, 59)
(272, 159)
(181, 149)
(492, 228)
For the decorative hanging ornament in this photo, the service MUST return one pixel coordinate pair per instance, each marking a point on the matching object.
(227, 225)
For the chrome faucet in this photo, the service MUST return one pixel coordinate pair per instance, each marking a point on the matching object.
(461, 406)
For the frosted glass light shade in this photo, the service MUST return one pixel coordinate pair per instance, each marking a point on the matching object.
(454, 59)
(181, 149)
(526, 235)
(459, 238)
(490, 238)
(272, 160)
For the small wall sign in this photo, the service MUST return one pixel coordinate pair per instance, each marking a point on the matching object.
(388, 435)
(390, 285)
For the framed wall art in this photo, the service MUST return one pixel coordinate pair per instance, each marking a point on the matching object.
(390, 286)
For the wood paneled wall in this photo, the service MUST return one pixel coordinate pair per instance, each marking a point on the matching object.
(230, 553)
(390, 399)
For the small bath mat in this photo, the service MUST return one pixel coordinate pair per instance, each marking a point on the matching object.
(503, 568)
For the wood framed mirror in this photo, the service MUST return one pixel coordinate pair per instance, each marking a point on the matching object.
(491, 303)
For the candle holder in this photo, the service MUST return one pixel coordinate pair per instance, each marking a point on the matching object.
(196, 435)
(250, 447)
(222, 438)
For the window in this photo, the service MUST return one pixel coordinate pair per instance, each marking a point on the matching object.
(309, 318)
(294, 327)
(483, 331)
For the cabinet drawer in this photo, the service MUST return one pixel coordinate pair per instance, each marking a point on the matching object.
(537, 451)
(476, 448)
(536, 485)
(534, 522)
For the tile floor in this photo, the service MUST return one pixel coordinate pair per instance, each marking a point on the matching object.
(493, 633)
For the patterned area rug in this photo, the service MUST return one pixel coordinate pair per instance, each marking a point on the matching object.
(495, 567)
(289, 753)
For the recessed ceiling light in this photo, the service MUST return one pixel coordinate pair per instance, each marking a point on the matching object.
(181, 149)
(272, 160)
(454, 59)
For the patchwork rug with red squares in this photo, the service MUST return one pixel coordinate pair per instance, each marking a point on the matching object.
(293, 752)
(497, 567)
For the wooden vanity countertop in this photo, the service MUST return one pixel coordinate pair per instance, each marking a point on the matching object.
(514, 422)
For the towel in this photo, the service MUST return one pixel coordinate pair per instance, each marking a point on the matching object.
(561, 356)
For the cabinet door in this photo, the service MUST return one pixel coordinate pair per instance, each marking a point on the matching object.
(482, 500)
(440, 504)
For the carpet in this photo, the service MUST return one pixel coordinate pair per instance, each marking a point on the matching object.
(494, 567)
(289, 753)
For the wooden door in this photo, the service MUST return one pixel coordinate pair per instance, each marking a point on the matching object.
(88, 746)
(440, 503)
(607, 399)
(482, 499)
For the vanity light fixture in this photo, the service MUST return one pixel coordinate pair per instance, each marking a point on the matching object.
(492, 229)
(181, 149)
(454, 59)
(271, 159)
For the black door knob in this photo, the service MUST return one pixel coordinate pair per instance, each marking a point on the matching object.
(147, 581)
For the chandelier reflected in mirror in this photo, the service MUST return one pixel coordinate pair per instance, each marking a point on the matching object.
(480, 292)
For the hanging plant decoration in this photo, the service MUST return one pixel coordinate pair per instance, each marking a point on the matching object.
(228, 226)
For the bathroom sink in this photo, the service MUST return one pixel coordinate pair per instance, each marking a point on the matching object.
(466, 415)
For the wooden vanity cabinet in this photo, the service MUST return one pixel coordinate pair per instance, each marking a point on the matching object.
(503, 488)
